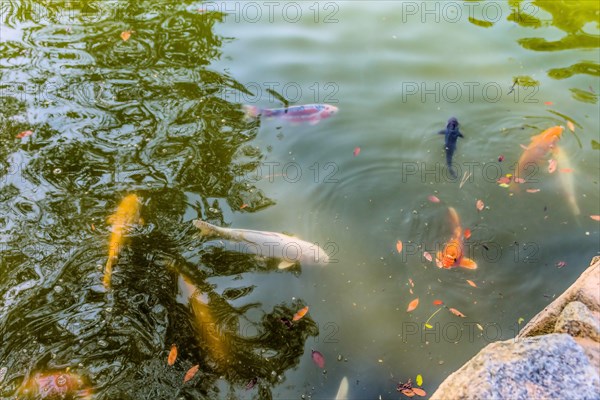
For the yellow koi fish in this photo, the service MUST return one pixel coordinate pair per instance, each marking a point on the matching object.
(539, 146)
(127, 214)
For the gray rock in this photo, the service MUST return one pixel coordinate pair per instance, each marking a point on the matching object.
(577, 320)
(543, 367)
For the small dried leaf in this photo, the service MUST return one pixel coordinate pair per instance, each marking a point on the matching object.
(551, 165)
(399, 246)
(412, 305)
(191, 373)
(172, 355)
(456, 312)
(24, 134)
(318, 359)
(533, 190)
(427, 256)
(470, 282)
(479, 327)
(419, 392)
(419, 380)
(356, 151)
(437, 302)
(595, 217)
(301, 313)
(125, 35)
(428, 326)
(571, 126)
(408, 392)
(479, 204)
(433, 199)
(467, 233)
(412, 284)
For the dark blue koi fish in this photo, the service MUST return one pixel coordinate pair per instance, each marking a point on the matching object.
(451, 137)
(311, 113)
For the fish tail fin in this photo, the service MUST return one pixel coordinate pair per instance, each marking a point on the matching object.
(467, 263)
(206, 229)
(108, 272)
(454, 217)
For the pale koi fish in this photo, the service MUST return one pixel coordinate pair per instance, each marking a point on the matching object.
(311, 113)
(288, 249)
(566, 178)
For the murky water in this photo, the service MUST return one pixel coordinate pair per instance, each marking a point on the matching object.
(145, 98)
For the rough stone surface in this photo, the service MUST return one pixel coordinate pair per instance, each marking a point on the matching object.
(585, 290)
(577, 320)
(552, 366)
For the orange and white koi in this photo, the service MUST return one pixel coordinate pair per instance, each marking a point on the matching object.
(453, 255)
(539, 146)
(126, 215)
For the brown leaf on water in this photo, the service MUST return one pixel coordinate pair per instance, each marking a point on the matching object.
(399, 246)
(470, 282)
(419, 392)
(456, 312)
(301, 313)
(412, 305)
(125, 35)
(533, 190)
(427, 256)
(408, 392)
(595, 217)
(191, 373)
(172, 355)
(437, 302)
(479, 204)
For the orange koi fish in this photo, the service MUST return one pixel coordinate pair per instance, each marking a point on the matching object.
(452, 255)
(539, 146)
(127, 214)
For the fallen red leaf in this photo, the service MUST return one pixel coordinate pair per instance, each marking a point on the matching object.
(437, 302)
(172, 355)
(470, 282)
(551, 165)
(419, 392)
(456, 312)
(427, 256)
(533, 190)
(467, 233)
(566, 170)
(548, 103)
(408, 392)
(595, 217)
(125, 35)
(318, 359)
(191, 373)
(24, 134)
(301, 313)
(412, 305)
(433, 199)
(399, 246)
(356, 151)
(479, 205)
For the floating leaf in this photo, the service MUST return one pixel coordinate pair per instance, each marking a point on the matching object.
(503, 180)
(467, 233)
(519, 180)
(595, 145)
(24, 134)
(419, 392)
(561, 264)
(301, 313)
(408, 392)
(318, 359)
(470, 282)
(479, 327)
(356, 151)
(437, 302)
(533, 190)
(570, 126)
(399, 246)
(456, 312)
(191, 373)
(500, 158)
(427, 256)
(479, 204)
(419, 380)
(566, 170)
(548, 103)
(125, 35)
(412, 284)
(412, 305)
(172, 355)
(428, 326)
(520, 321)
(595, 217)
(551, 165)
(433, 199)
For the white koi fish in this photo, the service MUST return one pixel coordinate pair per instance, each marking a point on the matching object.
(288, 249)
(566, 178)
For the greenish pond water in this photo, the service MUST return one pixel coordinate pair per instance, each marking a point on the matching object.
(145, 98)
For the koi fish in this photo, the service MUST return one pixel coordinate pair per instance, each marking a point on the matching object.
(55, 385)
(451, 137)
(452, 255)
(288, 249)
(566, 178)
(127, 214)
(311, 113)
(539, 146)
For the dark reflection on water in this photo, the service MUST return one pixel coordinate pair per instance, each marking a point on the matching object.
(111, 117)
